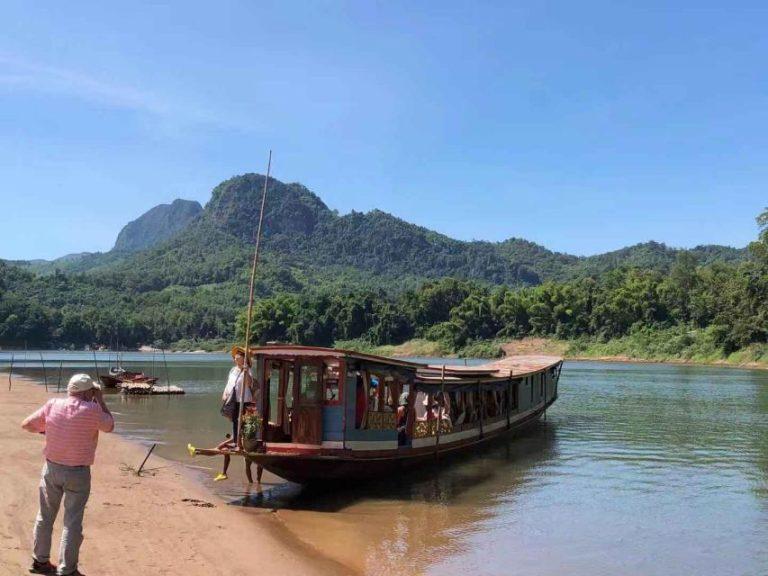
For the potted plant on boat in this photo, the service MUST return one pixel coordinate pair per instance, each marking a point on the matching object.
(251, 428)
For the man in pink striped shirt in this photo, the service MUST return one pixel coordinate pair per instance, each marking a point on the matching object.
(71, 426)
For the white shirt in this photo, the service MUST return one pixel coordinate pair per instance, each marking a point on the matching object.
(235, 380)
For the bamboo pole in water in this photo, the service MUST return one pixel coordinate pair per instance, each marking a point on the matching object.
(96, 364)
(58, 383)
(10, 375)
(167, 376)
(250, 309)
(138, 473)
(45, 376)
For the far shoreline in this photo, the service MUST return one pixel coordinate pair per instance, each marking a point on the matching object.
(480, 350)
(541, 346)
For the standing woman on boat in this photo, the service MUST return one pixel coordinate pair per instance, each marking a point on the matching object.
(239, 374)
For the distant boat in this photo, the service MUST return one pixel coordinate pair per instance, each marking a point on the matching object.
(331, 414)
(119, 376)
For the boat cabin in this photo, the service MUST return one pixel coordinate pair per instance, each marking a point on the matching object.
(328, 401)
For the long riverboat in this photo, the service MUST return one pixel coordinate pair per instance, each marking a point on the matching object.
(329, 414)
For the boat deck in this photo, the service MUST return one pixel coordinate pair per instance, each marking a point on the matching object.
(503, 368)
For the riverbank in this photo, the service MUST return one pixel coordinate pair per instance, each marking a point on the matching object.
(160, 523)
(653, 347)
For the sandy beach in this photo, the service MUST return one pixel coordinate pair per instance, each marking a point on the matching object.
(160, 523)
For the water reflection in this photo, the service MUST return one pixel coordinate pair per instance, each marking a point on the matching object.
(403, 524)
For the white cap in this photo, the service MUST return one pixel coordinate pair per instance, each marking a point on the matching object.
(81, 383)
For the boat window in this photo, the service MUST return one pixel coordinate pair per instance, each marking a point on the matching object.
(460, 410)
(360, 400)
(441, 407)
(470, 403)
(491, 403)
(513, 399)
(274, 387)
(289, 387)
(309, 383)
(422, 399)
(331, 381)
(389, 394)
(432, 410)
(288, 406)
(381, 390)
(377, 397)
(373, 393)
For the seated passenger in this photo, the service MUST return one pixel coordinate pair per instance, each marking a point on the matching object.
(373, 394)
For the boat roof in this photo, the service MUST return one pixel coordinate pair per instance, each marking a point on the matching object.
(281, 350)
(498, 369)
(503, 368)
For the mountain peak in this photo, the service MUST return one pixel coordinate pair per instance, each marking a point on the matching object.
(157, 224)
(290, 209)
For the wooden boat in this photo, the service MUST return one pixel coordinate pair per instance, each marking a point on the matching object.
(333, 414)
(109, 381)
(144, 389)
(119, 376)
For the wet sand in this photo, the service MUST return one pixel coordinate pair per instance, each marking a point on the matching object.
(160, 523)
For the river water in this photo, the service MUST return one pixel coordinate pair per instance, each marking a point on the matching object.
(639, 469)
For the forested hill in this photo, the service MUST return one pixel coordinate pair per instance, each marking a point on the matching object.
(300, 226)
(351, 267)
(303, 232)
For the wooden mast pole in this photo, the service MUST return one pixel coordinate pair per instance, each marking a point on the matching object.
(250, 309)
(96, 365)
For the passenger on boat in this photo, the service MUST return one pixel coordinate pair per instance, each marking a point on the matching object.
(373, 394)
(233, 391)
(441, 407)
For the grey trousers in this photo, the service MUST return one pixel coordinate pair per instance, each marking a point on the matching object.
(73, 483)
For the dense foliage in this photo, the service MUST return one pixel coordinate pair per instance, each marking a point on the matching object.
(731, 301)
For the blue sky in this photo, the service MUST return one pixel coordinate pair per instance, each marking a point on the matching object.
(583, 126)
